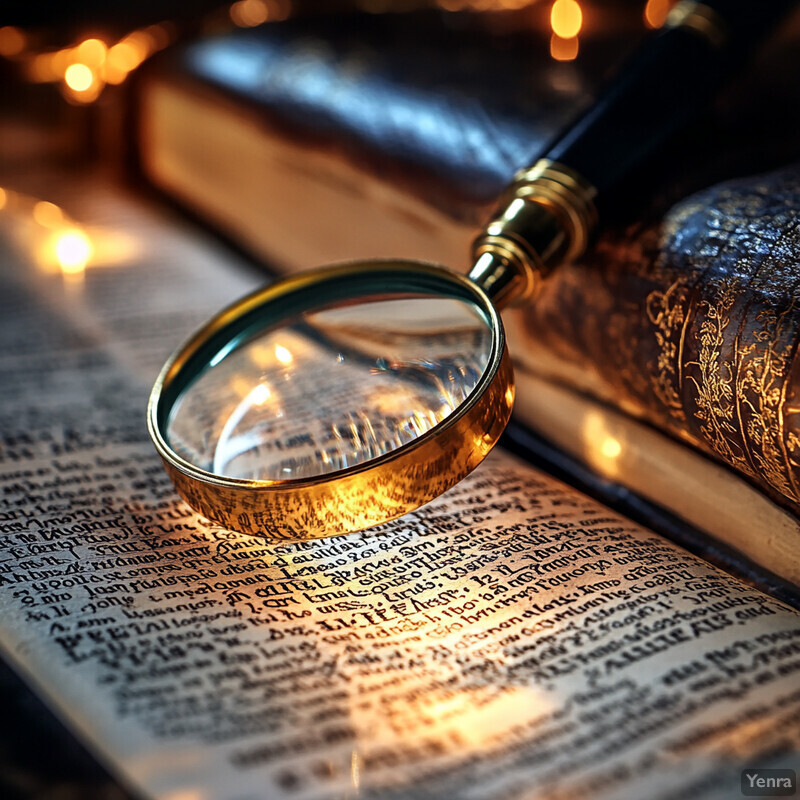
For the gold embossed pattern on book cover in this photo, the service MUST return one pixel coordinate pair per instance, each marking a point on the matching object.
(693, 324)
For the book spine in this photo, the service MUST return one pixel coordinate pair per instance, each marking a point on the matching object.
(693, 324)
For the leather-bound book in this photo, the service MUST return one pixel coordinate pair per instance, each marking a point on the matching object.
(366, 136)
(405, 128)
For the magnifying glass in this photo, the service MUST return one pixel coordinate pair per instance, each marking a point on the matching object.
(350, 395)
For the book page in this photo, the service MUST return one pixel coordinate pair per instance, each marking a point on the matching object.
(513, 639)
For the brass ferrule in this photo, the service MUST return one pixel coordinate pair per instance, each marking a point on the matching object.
(546, 218)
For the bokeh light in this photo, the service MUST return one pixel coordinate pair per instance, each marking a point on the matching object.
(283, 354)
(249, 13)
(610, 448)
(564, 49)
(91, 52)
(73, 249)
(566, 18)
(12, 41)
(87, 67)
(79, 77)
(656, 11)
(48, 215)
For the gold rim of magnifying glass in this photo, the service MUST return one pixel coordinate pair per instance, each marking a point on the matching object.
(367, 494)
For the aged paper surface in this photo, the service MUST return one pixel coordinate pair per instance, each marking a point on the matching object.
(510, 640)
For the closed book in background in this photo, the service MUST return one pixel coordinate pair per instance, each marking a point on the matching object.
(664, 361)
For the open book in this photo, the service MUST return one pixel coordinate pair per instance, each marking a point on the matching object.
(663, 360)
(513, 639)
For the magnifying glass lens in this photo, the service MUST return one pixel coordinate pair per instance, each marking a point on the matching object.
(327, 390)
(334, 400)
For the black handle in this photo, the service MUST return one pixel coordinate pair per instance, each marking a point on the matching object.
(664, 85)
(549, 214)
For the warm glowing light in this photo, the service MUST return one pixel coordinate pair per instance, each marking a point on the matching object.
(610, 447)
(282, 354)
(12, 41)
(79, 77)
(3, 198)
(87, 67)
(566, 18)
(60, 60)
(261, 355)
(122, 58)
(133, 49)
(241, 386)
(142, 43)
(48, 215)
(603, 445)
(476, 5)
(355, 774)
(510, 395)
(112, 247)
(480, 716)
(260, 394)
(160, 35)
(91, 52)
(189, 794)
(655, 12)
(249, 13)
(42, 68)
(563, 49)
(73, 250)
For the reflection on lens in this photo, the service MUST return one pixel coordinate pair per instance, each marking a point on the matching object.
(331, 389)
